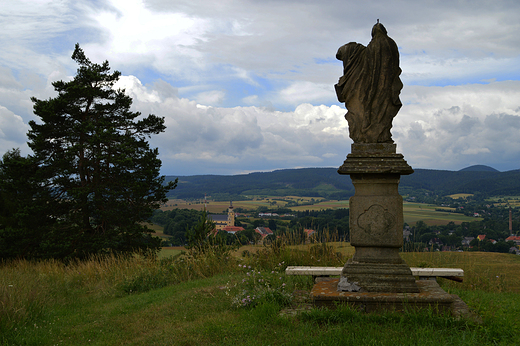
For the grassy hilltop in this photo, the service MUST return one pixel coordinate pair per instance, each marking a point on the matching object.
(194, 300)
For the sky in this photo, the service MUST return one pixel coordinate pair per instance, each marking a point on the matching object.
(248, 85)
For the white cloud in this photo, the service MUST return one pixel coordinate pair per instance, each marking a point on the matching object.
(250, 100)
(455, 126)
(299, 92)
(213, 97)
(12, 131)
(248, 85)
(240, 135)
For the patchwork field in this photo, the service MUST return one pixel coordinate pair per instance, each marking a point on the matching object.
(506, 201)
(270, 202)
(413, 212)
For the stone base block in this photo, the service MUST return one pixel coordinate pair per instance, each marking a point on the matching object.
(380, 277)
(430, 295)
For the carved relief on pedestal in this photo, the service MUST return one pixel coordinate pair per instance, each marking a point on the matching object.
(376, 220)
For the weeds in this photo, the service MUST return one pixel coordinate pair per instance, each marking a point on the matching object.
(257, 287)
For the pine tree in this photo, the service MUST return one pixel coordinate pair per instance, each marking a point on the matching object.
(94, 158)
(23, 218)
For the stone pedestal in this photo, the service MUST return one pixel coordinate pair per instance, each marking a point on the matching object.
(429, 296)
(376, 221)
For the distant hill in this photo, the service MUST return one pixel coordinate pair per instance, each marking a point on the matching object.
(312, 182)
(326, 182)
(478, 168)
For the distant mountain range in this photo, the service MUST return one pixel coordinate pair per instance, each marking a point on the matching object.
(326, 182)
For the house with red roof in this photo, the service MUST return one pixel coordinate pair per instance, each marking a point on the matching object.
(263, 231)
(233, 229)
(515, 239)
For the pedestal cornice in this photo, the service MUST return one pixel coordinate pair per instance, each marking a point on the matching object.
(374, 158)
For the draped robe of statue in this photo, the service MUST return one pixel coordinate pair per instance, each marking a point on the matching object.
(370, 87)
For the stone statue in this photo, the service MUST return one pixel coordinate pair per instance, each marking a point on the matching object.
(370, 87)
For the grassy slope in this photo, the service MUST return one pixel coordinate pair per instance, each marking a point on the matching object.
(199, 312)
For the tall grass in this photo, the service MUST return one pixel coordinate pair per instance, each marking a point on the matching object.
(27, 288)
(484, 271)
(30, 290)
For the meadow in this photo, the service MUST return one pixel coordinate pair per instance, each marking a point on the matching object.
(253, 204)
(194, 299)
(413, 212)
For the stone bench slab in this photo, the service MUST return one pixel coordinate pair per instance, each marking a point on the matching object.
(450, 273)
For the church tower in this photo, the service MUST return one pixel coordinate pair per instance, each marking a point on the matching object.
(231, 215)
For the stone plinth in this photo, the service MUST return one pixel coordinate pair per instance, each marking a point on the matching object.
(375, 158)
(376, 221)
(430, 295)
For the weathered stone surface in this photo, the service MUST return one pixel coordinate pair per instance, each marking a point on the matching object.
(380, 277)
(430, 295)
(422, 273)
(376, 219)
(375, 158)
(370, 87)
(345, 286)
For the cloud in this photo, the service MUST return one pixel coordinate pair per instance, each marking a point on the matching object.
(300, 91)
(239, 136)
(456, 126)
(248, 85)
(213, 97)
(12, 131)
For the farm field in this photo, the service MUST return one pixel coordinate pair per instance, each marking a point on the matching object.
(460, 195)
(270, 202)
(513, 201)
(413, 212)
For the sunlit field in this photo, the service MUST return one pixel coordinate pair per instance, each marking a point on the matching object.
(506, 201)
(460, 195)
(413, 212)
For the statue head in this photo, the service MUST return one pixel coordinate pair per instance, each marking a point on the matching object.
(378, 28)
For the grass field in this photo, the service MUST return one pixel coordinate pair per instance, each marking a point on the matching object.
(170, 251)
(460, 195)
(506, 201)
(91, 303)
(413, 212)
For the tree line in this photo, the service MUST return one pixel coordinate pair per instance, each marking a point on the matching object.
(327, 183)
(327, 224)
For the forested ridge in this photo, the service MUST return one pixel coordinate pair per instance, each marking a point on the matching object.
(326, 182)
